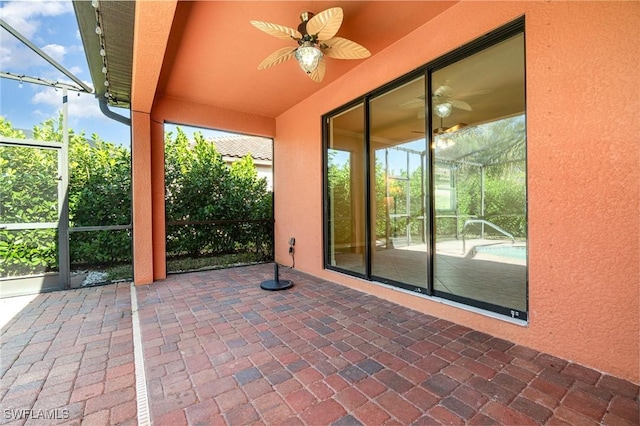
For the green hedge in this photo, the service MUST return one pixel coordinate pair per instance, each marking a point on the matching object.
(200, 187)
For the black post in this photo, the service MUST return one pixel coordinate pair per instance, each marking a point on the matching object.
(276, 283)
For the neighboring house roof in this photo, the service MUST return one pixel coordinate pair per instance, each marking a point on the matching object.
(237, 146)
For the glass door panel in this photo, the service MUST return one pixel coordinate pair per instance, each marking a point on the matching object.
(479, 157)
(346, 191)
(398, 150)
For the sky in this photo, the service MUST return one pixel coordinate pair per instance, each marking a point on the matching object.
(52, 26)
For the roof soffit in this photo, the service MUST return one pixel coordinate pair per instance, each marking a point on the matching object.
(213, 51)
(116, 20)
(207, 52)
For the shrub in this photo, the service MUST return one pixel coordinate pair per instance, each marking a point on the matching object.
(199, 187)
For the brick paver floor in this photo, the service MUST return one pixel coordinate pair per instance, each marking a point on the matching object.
(219, 350)
(67, 357)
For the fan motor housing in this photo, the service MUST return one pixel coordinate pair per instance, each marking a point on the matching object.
(302, 27)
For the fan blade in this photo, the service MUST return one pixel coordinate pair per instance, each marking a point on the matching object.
(341, 48)
(277, 57)
(325, 24)
(414, 103)
(474, 93)
(318, 74)
(460, 104)
(442, 91)
(279, 31)
(455, 128)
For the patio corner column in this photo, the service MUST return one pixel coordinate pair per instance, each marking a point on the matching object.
(153, 23)
(157, 199)
(142, 198)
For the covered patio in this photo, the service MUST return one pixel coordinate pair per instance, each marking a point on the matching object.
(216, 349)
(341, 348)
(196, 64)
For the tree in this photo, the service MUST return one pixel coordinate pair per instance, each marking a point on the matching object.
(498, 150)
(99, 194)
(214, 202)
(28, 194)
(339, 190)
(226, 209)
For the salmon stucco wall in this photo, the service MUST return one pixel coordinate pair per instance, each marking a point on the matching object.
(159, 238)
(141, 198)
(583, 179)
(179, 111)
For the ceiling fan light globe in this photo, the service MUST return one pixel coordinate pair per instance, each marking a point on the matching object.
(443, 110)
(308, 57)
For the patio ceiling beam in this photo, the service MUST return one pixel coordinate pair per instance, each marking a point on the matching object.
(152, 28)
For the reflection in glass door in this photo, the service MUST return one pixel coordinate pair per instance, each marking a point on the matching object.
(398, 150)
(441, 213)
(479, 161)
(346, 191)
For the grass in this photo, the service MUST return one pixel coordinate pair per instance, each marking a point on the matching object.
(119, 272)
(124, 272)
(187, 264)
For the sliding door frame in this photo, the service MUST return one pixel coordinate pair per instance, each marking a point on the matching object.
(507, 31)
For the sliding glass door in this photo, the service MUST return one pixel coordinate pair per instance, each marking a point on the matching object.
(397, 153)
(439, 212)
(345, 195)
(479, 158)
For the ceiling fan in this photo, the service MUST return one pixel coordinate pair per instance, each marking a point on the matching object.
(442, 129)
(442, 100)
(316, 40)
